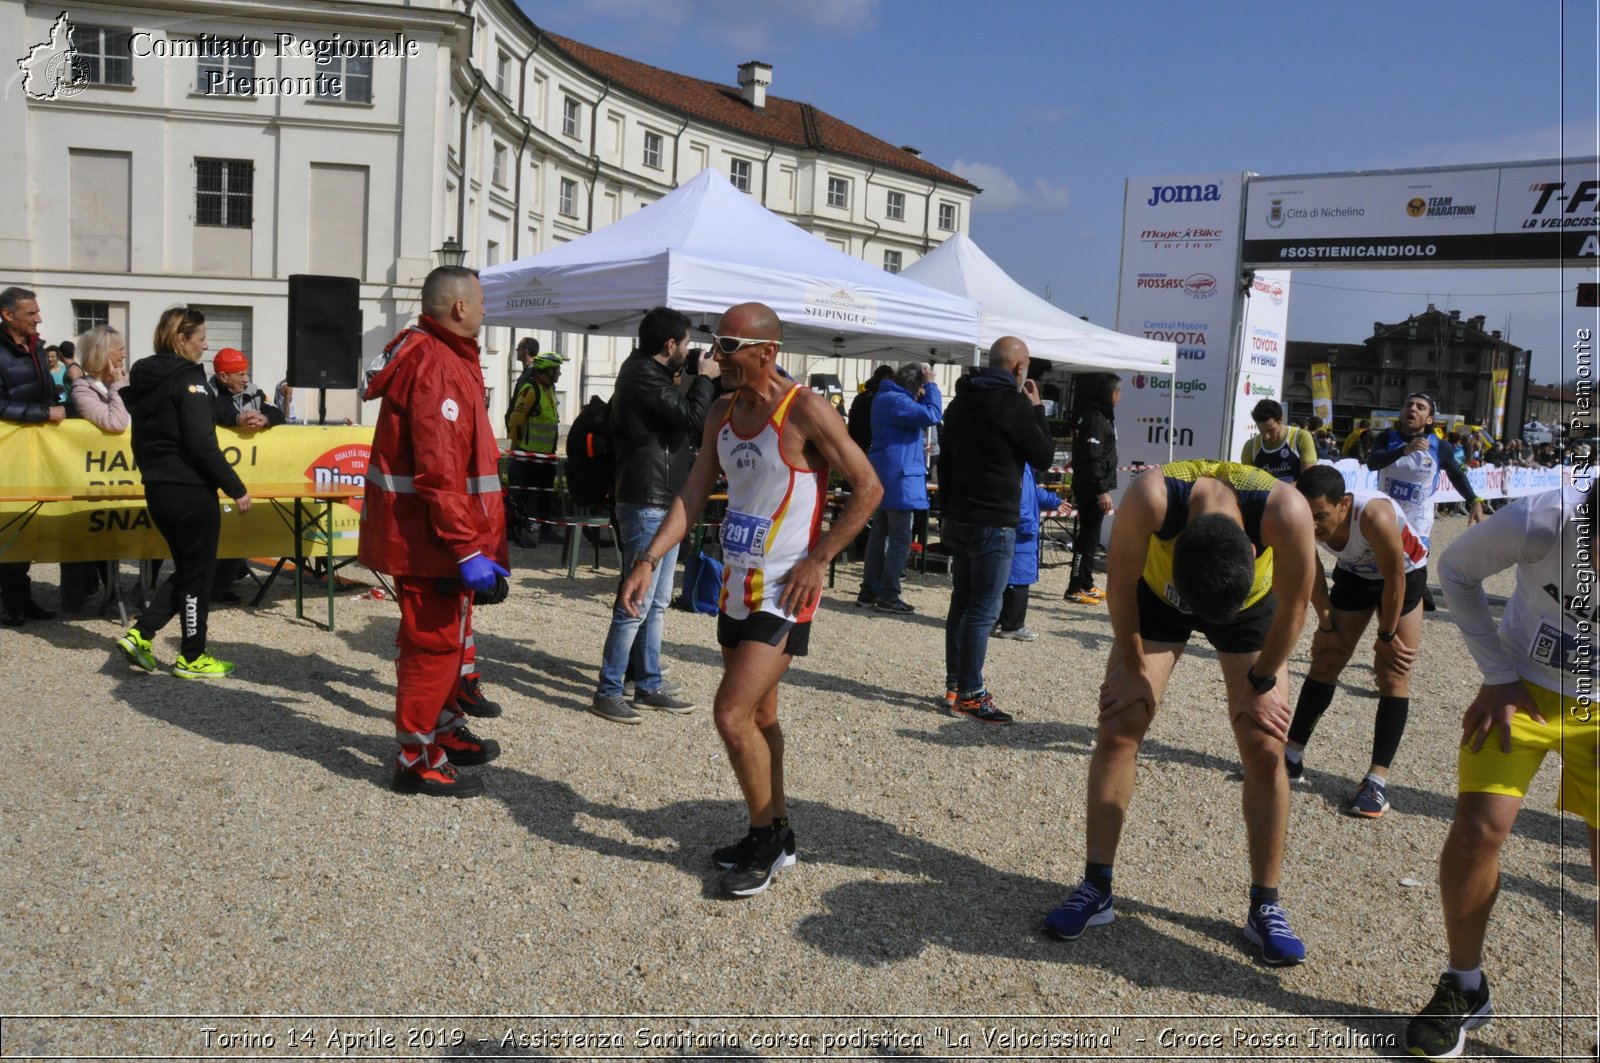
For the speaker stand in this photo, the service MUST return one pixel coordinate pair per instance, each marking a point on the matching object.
(322, 406)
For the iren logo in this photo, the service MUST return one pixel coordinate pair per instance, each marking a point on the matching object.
(1183, 194)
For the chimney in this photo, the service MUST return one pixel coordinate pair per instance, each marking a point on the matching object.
(909, 150)
(1477, 322)
(754, 77)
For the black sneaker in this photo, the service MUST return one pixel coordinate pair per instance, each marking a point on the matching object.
(981, 708)
(1295, 769)
(896, 605)
(443, 781)
(470, 699)
(731, 856)
(756, 873)
(865, 601)
(1440, 1029)
(465, 748)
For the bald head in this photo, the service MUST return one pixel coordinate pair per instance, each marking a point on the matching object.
(753, 321)
(1010, 354)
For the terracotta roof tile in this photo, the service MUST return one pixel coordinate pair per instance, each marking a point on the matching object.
(784, 121)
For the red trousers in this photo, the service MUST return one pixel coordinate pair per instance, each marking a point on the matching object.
(435, 631)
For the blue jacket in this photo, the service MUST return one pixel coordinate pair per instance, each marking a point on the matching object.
(1035, 500)
(898, 421)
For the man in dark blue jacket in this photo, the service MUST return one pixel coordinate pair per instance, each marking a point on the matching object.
(994, 426)
(27, 396)
(904, 408)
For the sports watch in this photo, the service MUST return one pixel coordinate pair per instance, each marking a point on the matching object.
(1387, 636)
(1261, 683)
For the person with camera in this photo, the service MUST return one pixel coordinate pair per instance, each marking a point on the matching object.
(433, 520)
(653, 428)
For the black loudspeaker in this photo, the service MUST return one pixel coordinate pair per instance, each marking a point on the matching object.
(324, 331)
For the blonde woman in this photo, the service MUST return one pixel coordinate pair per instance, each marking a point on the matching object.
(94, 398)
(96, 394)
(175, 445)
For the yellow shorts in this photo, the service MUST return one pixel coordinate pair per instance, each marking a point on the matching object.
(1565, 731)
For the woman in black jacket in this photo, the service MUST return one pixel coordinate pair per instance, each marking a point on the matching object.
(1094, 477)
(175, 446)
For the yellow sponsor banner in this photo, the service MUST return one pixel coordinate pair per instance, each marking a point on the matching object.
(1322, 391)
(1501, 381)
(74, 457)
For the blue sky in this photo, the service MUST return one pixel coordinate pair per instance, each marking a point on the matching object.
(1051, 106)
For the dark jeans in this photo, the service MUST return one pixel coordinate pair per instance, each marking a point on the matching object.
(1085, 543)
(980, 562)
(888, 549)
(190, 520)
(16, 590)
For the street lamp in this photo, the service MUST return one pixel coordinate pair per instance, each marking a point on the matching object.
(451, 253)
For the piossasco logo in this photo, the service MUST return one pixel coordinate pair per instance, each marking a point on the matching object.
(50, 70)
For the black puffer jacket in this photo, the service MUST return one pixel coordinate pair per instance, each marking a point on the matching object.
(26, 390)
(174, 440)
(1094, 451)
(990, 431)
(655, 430)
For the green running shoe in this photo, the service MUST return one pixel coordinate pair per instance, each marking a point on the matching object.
(204, 666)
(136, 648)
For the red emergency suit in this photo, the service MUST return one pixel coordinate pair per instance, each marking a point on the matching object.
(432, 501)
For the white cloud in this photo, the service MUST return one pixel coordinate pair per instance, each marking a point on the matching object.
(1001, 191)
(1574, 140)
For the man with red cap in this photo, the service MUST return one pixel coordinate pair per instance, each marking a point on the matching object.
(434, 520)
(233, 404)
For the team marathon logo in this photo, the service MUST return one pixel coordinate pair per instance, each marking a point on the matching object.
(50, 70)
(1439, 207)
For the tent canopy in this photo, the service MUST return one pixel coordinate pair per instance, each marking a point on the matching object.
(959, 266)
(706, 247)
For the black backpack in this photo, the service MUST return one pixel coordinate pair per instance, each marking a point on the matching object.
(591, 456)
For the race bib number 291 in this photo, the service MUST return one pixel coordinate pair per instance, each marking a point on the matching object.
(744, 538)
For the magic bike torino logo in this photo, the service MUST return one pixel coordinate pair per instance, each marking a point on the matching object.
(50, 70)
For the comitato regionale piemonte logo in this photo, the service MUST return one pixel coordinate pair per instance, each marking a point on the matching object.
(50, 69)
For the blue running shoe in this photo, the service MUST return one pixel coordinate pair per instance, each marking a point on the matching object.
(1268, 928)
(1088, 906)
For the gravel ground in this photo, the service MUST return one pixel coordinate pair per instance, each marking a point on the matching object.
(231, 849)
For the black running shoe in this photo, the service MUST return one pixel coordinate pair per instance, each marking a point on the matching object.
(471, 699)
(756, 873)
(1440, 1029)
(465, 748)
(731, 856)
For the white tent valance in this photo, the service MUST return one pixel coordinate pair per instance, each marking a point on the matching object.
(960, 267)
(706, 247)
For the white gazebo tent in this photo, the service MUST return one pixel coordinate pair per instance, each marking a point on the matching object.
(707, 246)
(960, 267)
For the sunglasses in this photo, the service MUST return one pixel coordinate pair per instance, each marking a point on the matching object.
(735, 344)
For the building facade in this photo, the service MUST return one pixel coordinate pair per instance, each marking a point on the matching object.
(202, 151)
(1436, 352)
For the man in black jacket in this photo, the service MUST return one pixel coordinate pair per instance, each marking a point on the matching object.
(654, 428)
(992, 428)
(1094, 477)
(27, 396)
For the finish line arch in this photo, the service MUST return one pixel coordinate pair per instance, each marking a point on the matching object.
(1207, 263)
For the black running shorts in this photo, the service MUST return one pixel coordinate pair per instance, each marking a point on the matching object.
(1245, 633)
(1351, 593)
(794, 639)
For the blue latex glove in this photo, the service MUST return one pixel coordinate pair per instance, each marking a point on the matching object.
(479, 572)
